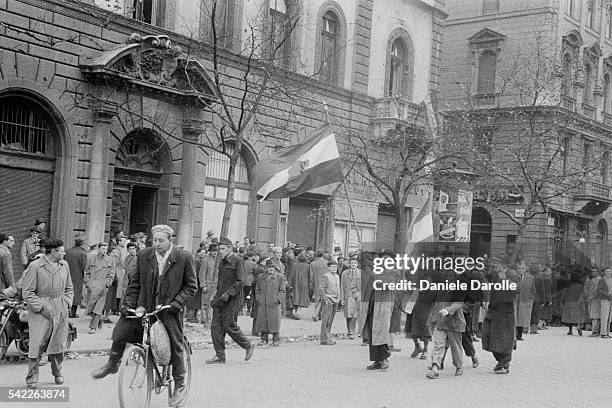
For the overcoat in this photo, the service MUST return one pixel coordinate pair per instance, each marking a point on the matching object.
(47, 286)
(573, 304)
(77, 262)
(498, 327)
(176, 285)
(196, 300)
(383, 306)
(301, 284)
(524, 300)
(593, 298)
(350, 292)
(318, 268)
(269, 294)
(99, 276)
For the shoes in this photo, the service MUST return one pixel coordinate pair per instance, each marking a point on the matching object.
(59, 380)
(501, 370)
(351, 337)
(32, 385)
(384, 365)
(111, 367)
(417, 351)
(74, 316)
(458, 372)
(92, 330)
(433, 372)
(475, 362)
(215, 360)
(569, 333)
(43, 362)
(178, 398)
(100, 324)
(328, 343)
(249, 352)
(606, 336)
(424, 355)
(521, 339)
(374, 366)
(107, 320)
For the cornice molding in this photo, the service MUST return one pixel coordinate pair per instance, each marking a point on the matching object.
(501, 16)
(421, 5)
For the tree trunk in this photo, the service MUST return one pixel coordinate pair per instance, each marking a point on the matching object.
(401, 230)
(520, 236)
(231, 185)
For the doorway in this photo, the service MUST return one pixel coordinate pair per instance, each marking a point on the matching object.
(480, 235)
(142, 214)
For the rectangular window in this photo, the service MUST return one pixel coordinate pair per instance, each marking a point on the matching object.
(609, 22)
(487, 65)
(566, 153)
(510, 244)
(605, 168)
(591, 13)
(490, 7)
(150, 11)
(586, 156)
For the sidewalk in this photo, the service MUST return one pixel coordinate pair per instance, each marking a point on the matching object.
(292, 330)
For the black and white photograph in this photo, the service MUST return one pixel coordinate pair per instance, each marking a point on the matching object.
(305, 203)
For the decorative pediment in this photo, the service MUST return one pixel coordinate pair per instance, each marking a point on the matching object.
(486, 35)
(153, 64)
(573, 39)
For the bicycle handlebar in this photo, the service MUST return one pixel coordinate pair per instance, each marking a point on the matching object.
(153, 313)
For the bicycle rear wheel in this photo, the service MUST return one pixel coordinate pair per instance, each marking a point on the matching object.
(135, 379)
(187, 360)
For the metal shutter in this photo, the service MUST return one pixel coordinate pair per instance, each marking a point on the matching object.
(301, 223)
(25, 196)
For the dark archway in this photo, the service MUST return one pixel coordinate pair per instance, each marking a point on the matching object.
(480, 235)
(141, 190)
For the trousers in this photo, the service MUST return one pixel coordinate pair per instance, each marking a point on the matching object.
(379, 352)
(503, 360)
(440, 339)
(224, 322)
(328, 312)
(606, 305)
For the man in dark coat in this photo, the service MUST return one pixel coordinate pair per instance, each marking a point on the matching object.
(77, 262)
(226, 303)
(498, 328)
(164, 275)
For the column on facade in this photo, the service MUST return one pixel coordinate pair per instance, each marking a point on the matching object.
(192, 128)
(98, 172)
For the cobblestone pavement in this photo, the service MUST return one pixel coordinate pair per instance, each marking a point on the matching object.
(550, 369)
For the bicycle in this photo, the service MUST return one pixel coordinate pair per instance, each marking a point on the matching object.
(139, 373)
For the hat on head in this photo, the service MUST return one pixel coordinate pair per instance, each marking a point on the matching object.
(269, 263)
(78, 242)
(210, 232)
(213, 247)
(225, 241)
(332, 262)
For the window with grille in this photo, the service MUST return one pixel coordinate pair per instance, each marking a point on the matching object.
(487, 65)
(25, 128)
(329, 48)
(218, 166)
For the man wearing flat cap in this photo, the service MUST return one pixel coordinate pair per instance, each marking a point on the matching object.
(77, 261)
(226, 303)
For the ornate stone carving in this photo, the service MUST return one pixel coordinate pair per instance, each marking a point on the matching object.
(139, 151)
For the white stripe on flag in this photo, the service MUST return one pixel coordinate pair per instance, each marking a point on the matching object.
(323, 151)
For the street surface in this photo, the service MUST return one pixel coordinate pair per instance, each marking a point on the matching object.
(550, 369)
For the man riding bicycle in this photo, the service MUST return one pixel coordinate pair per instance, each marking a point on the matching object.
(164, 275)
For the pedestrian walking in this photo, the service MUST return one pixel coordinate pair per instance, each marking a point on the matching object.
(7, 278)
(329, 294)
(195, 303)
(420, 325)
(226, 304)
(99, 276)
(573, 303)
(76, 257)
(524, 299)
(30, 245)
(605, 291)
(300, 283)
(250, 263)
(47, 290)
(350, 284)
(164, 275)
(593, 299)
(269, 295)
(499, 325)
(208, 280)
(318, 268)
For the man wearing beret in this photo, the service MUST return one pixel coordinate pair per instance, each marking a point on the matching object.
(226, 302)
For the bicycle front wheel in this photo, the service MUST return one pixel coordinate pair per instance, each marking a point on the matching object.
(135, 379)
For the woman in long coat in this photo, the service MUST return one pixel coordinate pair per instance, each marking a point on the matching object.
(524, 302)
(573, 304)
(420, 328)
(300, 283)
(593, 299)
(269, 295)
(260, 271)
(350, 295)
(99, 276)
(375, 319)
(47, 290)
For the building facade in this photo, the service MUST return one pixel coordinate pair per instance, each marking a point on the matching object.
(103, 112)
(484, 41)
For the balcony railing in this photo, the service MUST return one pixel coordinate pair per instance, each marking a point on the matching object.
(607, 118)
(397, 108)
(588, 111)
(594, 191)
(568, 103)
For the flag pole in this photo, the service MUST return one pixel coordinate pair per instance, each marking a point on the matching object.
(348, 195)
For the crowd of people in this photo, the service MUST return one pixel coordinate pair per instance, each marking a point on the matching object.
(224, 279)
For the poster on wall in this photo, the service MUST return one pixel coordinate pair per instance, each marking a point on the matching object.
(453, 214)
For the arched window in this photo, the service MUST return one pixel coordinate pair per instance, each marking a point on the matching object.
(25, 128)
(566, 85)
(487, 65)
(279, 50)
(399, 60)
(330, 27)
(588, 88)
(606, 90)
(215, 195)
